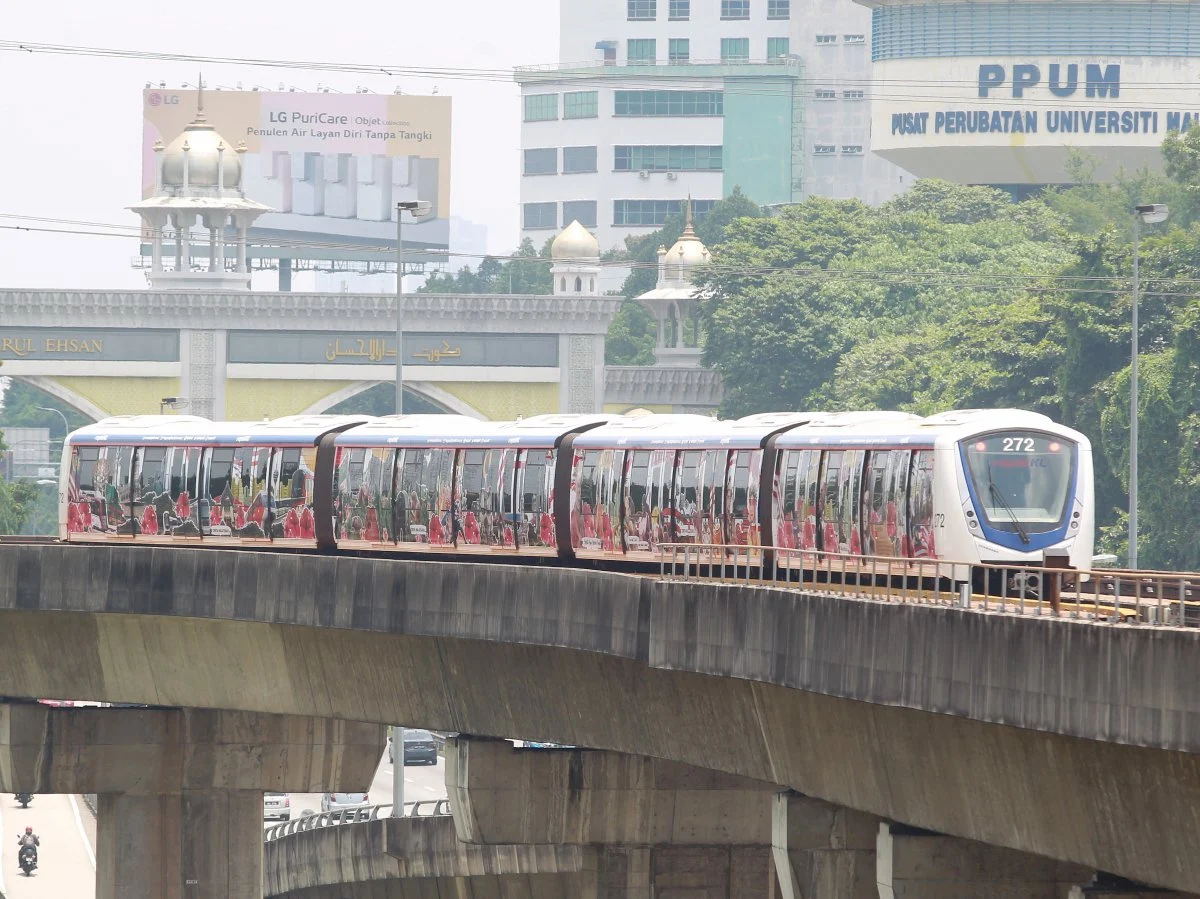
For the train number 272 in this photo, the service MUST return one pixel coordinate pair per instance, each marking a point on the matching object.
(1018, 444)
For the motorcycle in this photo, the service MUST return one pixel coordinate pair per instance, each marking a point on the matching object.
(27, 858)
(24, 799)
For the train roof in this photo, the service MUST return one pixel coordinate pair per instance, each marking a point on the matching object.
(688, 430)
(903, 429)
(191, 430)
(461, 430)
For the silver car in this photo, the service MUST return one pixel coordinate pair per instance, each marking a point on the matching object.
(336, 802)
(277, 806)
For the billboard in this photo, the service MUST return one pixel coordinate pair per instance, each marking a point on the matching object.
(333, 166)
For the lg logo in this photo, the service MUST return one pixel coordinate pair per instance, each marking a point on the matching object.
(154, 98)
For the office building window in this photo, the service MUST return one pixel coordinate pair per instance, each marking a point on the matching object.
(668, 103)
(854, 95)
(679, 50)
(582, 211)
(824, 94)
(779, 9)
(852, 149)
(679, 10)
(641, 10)
(667, 159)
(540, 215)
(826, 38)
(541, 107)
(580, 105)
(579, 159)
(854, 38)
(735, 49)
(640, 49)
(653, 213)
(777, 47)
(543, 161)
(735, 9)
(824, 149)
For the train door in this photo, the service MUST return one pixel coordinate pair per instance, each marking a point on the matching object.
(741, 523)
(712, 497)
(636, 523)
(828, 517)
(150, 502)
(920, 506)
(535, 495)
(685, 517)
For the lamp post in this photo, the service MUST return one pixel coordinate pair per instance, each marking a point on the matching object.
(419, 209)
(171, 402)
(1151, 214)
(58, 412)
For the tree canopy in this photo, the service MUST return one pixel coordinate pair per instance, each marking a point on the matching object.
(957, 297)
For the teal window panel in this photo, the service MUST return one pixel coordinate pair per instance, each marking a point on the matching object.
(735, 9)
(667, 158)
(735, 49)
(580, 105)
(679, 10)
(541, 161)
(541, 107)
(1109, 28)
(582, 211)
(679, 50)
(779, 9)
(578, 159)
(777, 47)
(668, 103)
(641, 10)
(640, 50)
(654, 213)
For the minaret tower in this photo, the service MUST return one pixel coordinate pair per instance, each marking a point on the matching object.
(198, 195)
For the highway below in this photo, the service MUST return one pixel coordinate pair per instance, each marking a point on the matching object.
(67, 830)
(420, 782)
(66, 860)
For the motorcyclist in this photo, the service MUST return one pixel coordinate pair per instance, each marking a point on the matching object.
(29, 838)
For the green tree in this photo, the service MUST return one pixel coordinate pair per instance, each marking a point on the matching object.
(524, 271)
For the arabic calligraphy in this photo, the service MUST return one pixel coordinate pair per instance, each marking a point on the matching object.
(374, 349)
(437, 355)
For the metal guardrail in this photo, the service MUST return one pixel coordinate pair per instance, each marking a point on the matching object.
(1116, 596)
(424, 808)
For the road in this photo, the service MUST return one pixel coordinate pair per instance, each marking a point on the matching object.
(66, 859)
(420, 782)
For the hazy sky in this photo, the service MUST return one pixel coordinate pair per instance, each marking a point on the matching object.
(72, 125)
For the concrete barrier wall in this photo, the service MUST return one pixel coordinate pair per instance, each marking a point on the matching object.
(1123, 684)
(565, 657)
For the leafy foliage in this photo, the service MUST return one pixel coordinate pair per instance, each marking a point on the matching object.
(525, 271)
(957, 297)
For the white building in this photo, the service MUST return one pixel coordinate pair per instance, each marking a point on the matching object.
(654, 100)
(1001, 92)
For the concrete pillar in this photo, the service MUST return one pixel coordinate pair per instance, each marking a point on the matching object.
(285, 275)
(919, 865)
(822, 851)
(191, 845)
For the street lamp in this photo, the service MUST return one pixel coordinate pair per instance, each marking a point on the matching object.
(171, 402)
(58, 412)
(1150, 214)
(419, 209)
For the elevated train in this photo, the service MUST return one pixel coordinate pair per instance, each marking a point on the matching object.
(991, 486)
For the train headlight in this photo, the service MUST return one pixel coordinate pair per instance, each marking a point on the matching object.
(972, 519)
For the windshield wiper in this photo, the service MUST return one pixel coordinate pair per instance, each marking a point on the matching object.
(996, 494)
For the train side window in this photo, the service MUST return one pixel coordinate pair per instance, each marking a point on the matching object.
(877, 469)
(610, 484)
(786, 498)
(471, 479)
(739, 483)
(584, 530)
(920, 505)
(662, 477)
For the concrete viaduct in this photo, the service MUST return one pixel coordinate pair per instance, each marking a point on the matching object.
(1072, 740)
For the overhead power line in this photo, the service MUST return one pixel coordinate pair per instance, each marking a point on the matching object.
(873, 277)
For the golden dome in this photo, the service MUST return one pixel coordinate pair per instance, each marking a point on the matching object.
(689, 250)
(575, 242)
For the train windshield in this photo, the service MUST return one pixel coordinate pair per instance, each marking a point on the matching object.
(1021, 479)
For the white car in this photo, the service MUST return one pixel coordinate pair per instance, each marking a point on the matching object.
(277, 806)
(336, 802)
